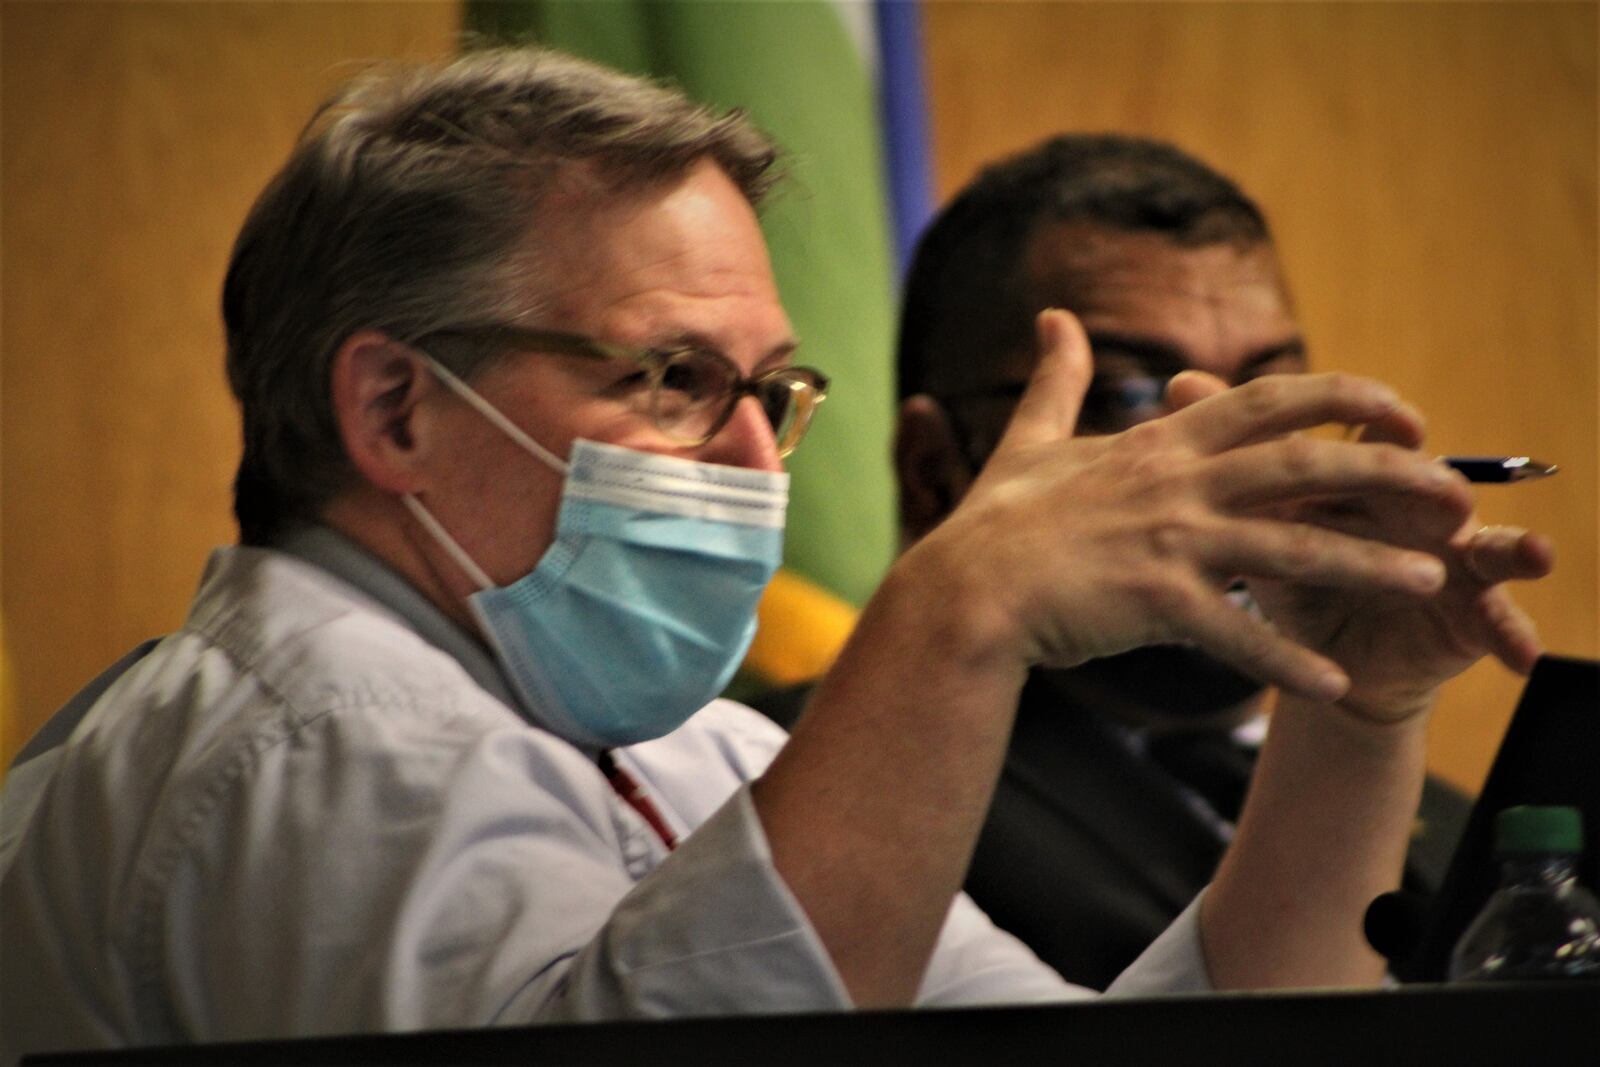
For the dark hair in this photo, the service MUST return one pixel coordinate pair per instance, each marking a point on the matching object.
(406, 208)
(965, 293)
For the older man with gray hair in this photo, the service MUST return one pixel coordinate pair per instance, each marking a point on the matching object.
(437, 745)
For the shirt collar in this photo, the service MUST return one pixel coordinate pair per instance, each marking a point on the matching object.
(341, 557)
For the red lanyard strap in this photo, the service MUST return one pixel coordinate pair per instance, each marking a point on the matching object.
(629, 789)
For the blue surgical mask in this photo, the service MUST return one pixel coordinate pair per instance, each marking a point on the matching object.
(643, 607)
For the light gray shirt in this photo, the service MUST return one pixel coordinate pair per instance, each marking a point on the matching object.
(306, 812)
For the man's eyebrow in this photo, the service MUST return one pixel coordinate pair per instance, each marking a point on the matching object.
(1153, 356)
(691, 339)
(1158, 357)
(1295, 347)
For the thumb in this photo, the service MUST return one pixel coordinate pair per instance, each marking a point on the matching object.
(1048, 410)
(1192, 386)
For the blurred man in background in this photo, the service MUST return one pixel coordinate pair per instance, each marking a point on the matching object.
(1125, 775)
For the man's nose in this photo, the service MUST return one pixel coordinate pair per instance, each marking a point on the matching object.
(746, 441)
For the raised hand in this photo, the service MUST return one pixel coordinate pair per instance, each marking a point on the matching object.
(1398, 650)
(1082, 547)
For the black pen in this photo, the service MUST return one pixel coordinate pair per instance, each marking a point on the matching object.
(1499, 468)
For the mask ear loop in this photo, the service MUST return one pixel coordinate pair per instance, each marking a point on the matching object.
(511, 430)
(494, 415)
(446, 542)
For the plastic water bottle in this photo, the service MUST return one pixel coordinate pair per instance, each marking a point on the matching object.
(1540, 923)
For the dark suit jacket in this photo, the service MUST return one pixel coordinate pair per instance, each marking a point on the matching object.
(1091, 850)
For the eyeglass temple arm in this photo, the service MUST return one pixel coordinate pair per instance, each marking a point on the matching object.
(565, 344)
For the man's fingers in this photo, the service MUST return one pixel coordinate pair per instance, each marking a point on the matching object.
(1509, 553)
(1405, 427)
(1190, 387)
(1301, 468)
(1513, 638)
(1279, 404)
(1308, 555)
(1254, 647)
(1048, 410)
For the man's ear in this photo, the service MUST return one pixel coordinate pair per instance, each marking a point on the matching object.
(375, 384)
(932, 471)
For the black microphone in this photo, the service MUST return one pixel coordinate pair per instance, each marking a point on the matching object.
(1394, 924)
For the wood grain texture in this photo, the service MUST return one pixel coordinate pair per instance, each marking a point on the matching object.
(135, 137)
(1430, 172)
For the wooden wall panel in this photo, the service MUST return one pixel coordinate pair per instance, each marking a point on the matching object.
(135, 137)
(1430, 169)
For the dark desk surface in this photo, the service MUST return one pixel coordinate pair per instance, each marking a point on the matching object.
(1493, 1024)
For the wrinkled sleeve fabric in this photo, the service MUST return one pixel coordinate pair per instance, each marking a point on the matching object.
(978, 963)
(427, 880)
(427, 873)
(416, 883)
(711, 931)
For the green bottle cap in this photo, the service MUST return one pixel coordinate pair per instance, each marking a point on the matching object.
(1538, 829)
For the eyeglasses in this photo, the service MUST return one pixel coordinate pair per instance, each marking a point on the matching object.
(1120, 402)
(692, 391)
(1112, 404)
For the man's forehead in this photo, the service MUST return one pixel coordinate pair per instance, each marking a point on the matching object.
(1090, 267)
(682, 256)
(1148, 301)
(1166, 305)
(695, 222)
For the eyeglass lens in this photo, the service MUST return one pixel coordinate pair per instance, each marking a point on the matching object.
(1114, 404)
(690, 389)
(695, 392)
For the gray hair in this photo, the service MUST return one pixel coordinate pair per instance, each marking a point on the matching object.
(405, 208)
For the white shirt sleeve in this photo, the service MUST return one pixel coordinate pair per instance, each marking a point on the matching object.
(713, 930)
(1173, 962)
(416, 883)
